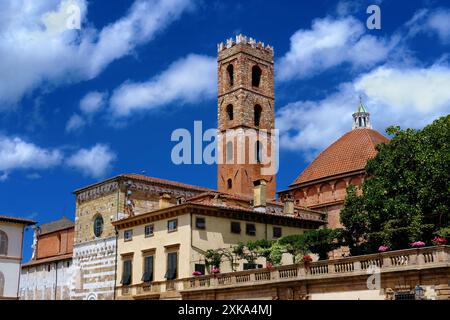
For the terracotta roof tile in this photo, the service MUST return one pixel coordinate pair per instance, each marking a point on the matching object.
(347, 154)
(17, 220)
(57, 225)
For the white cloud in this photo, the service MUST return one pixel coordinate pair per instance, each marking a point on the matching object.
(94, 162)
(92, 102)
(188, 80)
(409, 97)
(36, 51)
(430, 22)
(16, 153)
(75, 123)
(439, 22)
(329, 43)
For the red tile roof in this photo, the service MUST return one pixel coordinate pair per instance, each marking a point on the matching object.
(27, 222)
(30, 263)
(141, 177)
(347, 154)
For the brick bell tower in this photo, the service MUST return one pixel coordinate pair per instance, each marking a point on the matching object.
(246, 116)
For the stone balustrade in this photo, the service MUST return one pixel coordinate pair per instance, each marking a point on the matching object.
(427, 257)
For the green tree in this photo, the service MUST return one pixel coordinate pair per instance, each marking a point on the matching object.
(354, 217)
(322, 241)
(295, 245)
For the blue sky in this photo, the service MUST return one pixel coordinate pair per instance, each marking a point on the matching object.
(77, 106)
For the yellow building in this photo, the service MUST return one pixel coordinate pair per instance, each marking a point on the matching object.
(170, 243)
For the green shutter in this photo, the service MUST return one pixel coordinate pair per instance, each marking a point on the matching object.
(148, 269)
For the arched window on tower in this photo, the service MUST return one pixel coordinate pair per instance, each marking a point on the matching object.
(230, 111)
(229, 183)
(230, 72)
(3, 243)
(258, 111)
(229, 151)
(258, 151)
(256, 76)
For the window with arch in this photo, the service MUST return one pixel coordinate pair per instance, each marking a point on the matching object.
(258, 151)
(256, 76)
(257, 115)
(3, 243)
(229, 183)
(230, 73)
(2, 284)
(98, 225)
(229, 151)
(230, 112)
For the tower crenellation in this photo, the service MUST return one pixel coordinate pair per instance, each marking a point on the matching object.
(242, 39)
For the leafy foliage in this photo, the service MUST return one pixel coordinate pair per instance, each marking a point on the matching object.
(407, 197)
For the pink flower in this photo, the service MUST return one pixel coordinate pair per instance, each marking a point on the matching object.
(307, 258)
(439, 240)
(215, 270)
(383, 248)
(418, 244)
(196, 273)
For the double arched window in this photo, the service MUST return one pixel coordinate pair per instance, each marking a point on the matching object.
(98, 225)
(3, 243)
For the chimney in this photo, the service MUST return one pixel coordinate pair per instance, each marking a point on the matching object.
(164, 200)
(259, 194)
(289, 204)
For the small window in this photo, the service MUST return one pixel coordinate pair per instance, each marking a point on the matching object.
(200, 223)
(200, 268)
(250, 229)
(48, 268)
(230, 112)
(172, 225)
(229, 184)
(230, 72)
(148, 269)
(277, 232)
(149, 230)
(229, 151)
(235, 227)
(127, 272)
(98, 226)
(257, 115)
(128, 235)
(172, 266)
(256, 76)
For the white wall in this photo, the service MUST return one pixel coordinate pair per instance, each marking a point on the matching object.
(37, 283)
(10, 264)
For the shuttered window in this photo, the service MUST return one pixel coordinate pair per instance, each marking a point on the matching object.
(127, 273)
(172, 265)
(148, 269)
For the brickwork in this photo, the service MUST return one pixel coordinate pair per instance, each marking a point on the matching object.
(239, 93)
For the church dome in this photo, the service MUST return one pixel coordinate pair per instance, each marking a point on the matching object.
(347, 154)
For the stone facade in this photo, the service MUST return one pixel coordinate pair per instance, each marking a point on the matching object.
(239, 98)
(123, 196)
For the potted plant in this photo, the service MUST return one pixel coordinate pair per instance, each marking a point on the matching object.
(307, 258)
(383, 248)
(215, 270)
(197, 273)
(418, 244)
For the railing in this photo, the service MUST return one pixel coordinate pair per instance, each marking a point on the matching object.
(386, 261)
